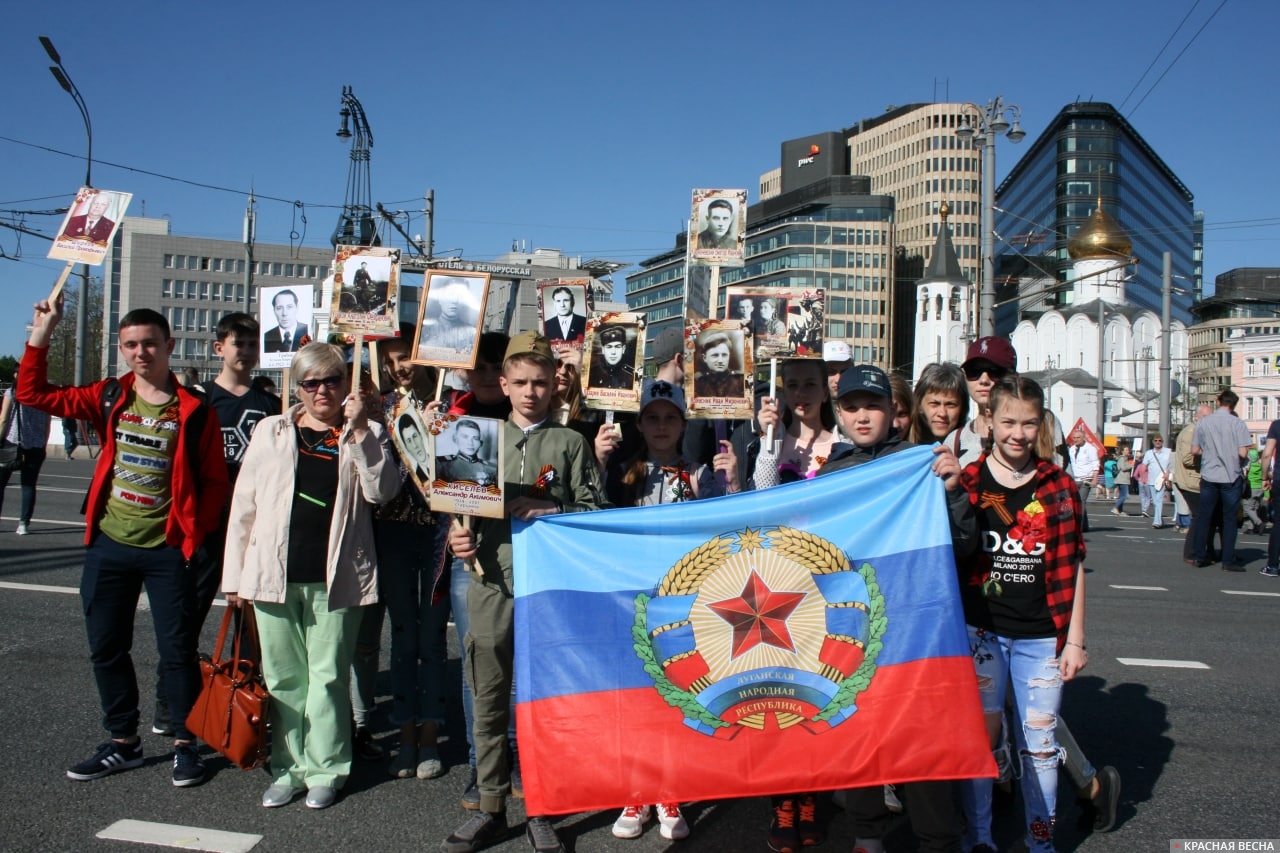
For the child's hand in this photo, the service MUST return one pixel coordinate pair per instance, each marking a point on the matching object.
(726, 462)
(462, 542)
(768, 415)
(526, 508)
(608, 437)
(946, 466)
(1073, 660)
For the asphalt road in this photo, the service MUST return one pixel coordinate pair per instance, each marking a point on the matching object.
(1196, 747)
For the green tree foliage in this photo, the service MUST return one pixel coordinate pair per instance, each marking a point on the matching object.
(62, 348)
(8, 369)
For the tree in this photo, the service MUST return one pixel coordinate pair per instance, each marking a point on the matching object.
(62, 347)
(8, 369)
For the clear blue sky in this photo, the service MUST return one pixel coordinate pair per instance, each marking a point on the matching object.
(584, 126)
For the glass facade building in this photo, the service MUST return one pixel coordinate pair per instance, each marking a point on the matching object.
(1091, 154)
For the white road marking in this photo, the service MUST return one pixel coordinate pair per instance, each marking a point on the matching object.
(1251, 592)
(1118, 536)
(1171, 664)
(38, 587)
(185, 837)
(1145, 588)
(55, 522)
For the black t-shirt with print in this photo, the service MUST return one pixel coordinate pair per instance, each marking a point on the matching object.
(1012, 602)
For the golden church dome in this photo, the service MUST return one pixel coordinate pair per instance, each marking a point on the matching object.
(1100, 237)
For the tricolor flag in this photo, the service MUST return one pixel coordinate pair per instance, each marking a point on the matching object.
(804, 638)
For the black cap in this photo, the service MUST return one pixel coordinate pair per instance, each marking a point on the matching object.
(866, 378)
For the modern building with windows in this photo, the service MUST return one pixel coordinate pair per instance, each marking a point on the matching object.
(1245, 302)
(824, 231)
(193, 282)
(1089, 157)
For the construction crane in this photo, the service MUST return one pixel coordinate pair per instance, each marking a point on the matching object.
(355, 224)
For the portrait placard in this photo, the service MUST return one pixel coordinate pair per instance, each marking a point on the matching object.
(450, 317)
(562, 306)
(409, 430)
(719, 367)
(468, 456)
(768, 312)
(91, 222)
(718, 227)
(366, 291)
(613, 361)
(285, 316)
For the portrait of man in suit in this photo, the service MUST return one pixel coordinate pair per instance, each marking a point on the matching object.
(93, 224)
(287, 333)
(563, 323)
(413, 447)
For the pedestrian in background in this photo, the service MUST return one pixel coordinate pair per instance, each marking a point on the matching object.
(70, 435)
(27, 428)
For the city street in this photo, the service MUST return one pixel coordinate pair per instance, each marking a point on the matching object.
(1178, 696)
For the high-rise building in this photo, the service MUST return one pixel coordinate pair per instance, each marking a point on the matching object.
(912, 154)
(1245, 302)
(193, 282)
(1088, 157)
(824, 230)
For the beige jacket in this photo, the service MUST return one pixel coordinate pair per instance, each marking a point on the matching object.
(256, 560)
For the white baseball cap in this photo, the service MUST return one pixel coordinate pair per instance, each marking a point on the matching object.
(836, 351)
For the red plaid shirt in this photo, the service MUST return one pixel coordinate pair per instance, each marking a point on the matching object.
(1064, 542)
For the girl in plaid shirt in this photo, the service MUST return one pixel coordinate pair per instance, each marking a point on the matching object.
(1023, 594)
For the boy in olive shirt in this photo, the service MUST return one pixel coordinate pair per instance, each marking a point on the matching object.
(533, 443)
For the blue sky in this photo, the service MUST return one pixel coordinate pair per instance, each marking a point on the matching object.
(584, 126)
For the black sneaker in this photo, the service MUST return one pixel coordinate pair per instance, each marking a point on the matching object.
(783, 835)
(365, 746)
(480, 830)
(807, 812)
(471, 796)
(1107, 799)
(160, 724)
(542, 836)
(188, 766)
(111, 757)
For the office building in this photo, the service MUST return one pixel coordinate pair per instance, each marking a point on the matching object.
(1088, 157)
(1245, 303)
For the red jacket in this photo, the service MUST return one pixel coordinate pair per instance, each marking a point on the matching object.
(199, 489)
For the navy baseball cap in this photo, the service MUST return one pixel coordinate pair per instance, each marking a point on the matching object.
(866, 378)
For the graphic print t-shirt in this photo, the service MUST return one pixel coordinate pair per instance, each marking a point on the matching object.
(1012, 601)
(141, 478)
(238, 417)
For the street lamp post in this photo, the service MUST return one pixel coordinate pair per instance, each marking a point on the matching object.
(82, 304)
(991, 122)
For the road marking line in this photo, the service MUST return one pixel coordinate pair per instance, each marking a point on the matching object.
(56, 522)
(1145, 588)
(1116, 536)
(1250, 592)
(1171, 664)
(186, 837)
(38, 587)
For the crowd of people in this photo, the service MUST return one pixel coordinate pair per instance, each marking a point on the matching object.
(311, 514)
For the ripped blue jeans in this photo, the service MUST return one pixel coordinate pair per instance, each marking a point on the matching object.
(1030, 669)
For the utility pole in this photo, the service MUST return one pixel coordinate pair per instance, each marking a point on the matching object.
(250, 232)
(1166, 298)
(431, 223)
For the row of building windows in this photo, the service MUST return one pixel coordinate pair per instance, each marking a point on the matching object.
(204, 290)
(236, 265)
(1261, 408)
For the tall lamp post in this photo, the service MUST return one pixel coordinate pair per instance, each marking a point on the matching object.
(991, 121)
(82, 304)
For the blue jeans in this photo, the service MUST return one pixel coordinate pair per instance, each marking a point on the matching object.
(1213, 495)
(364, 663)
(1030, 669)
(1157, 498)
(419, 626)
(459, 583)
(114, 576)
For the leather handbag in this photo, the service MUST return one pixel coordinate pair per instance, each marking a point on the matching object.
(231, 712)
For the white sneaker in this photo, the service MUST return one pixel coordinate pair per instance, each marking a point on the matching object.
(631, 822)
(672, 824)
(22, 528)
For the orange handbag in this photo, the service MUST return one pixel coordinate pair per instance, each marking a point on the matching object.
(231, 712)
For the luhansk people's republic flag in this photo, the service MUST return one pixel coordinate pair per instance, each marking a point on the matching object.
(804, 638)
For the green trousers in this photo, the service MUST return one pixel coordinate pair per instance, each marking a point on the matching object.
(490, 648)
(306, 662)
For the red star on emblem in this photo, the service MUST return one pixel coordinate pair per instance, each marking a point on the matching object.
(758, 615)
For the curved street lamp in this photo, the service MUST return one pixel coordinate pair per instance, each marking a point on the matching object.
(989, 123)
(82, 304)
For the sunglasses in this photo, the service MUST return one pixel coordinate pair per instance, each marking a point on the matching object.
(310, 385)
(974, 372)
